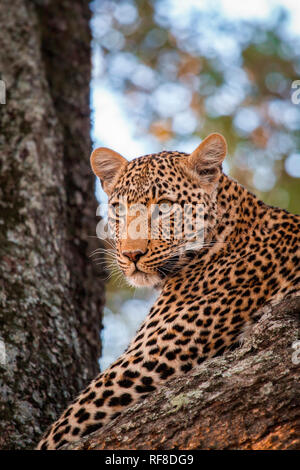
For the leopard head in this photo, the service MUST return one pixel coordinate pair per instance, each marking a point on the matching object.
(161, 206)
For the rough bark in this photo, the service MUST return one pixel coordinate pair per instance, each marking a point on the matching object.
(50, 300)
(246, 399)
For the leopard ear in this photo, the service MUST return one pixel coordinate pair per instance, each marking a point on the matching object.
(106, 164)
(207, 159)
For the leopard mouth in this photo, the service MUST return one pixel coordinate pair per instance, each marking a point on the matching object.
(140, 278)
(169, 267)
(175, 263)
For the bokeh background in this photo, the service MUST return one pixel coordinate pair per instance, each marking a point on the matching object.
(166, 73)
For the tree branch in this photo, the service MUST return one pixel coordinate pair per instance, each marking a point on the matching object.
(245, 399)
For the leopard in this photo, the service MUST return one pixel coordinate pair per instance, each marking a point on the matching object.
(211, 286)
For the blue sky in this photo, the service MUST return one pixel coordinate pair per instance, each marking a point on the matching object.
(107, 105)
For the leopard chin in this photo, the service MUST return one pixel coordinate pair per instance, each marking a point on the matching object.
(141, 279)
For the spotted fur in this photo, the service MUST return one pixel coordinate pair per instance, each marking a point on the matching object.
(250, 258)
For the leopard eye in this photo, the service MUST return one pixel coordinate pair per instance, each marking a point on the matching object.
(119, 209)
(165, 205)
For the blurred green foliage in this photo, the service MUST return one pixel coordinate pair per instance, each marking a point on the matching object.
(186, 73)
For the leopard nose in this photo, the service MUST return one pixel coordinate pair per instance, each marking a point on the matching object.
(133, 255)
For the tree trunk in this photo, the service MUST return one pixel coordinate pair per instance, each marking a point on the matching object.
(245, 399)
(50, 301)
